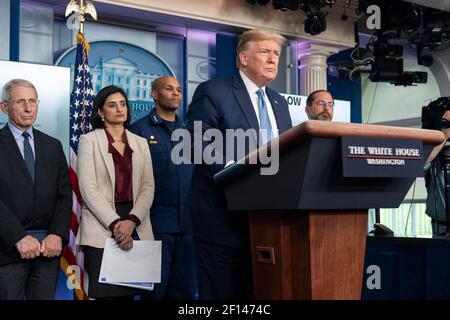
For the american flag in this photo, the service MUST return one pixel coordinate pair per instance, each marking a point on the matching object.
(80, 112)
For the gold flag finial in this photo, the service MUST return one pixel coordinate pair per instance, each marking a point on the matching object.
(81, 9)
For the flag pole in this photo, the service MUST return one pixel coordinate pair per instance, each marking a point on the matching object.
(80, 109)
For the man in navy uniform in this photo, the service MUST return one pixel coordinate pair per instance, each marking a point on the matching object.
(172, 182)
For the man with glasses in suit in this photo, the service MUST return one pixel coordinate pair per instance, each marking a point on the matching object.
(320, 105)
(35, 199)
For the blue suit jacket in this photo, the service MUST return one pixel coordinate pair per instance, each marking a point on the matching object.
(223, 104)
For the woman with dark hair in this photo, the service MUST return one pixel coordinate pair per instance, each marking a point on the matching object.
(115, 177)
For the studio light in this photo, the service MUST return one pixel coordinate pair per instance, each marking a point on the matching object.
(408, 78)
(260, 2)
(391, 70)
(386, 70)
(315, 23)
(285, 5)
(426, 60)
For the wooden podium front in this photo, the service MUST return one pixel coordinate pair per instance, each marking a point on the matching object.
(308, 223)
(308, 255)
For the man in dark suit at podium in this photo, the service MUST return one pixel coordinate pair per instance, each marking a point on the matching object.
(320, 105)
(35, 199)
(241, 102)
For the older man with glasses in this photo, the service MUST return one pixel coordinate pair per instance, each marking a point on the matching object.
(320, 105)
(35, 199)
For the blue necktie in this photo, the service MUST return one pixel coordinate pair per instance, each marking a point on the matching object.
(28, 154)
(264, 122)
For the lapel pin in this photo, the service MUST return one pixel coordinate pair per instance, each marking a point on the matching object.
(152, 140)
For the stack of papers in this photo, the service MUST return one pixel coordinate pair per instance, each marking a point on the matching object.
(139, 267)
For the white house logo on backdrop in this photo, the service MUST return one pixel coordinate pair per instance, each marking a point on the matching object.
(124, 65)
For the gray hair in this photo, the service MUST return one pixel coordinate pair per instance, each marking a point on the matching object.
(6, 91)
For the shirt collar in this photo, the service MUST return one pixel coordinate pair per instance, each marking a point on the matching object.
(111, 139)
(111, 148)
(156, 119)
(249, 84)
(17, 133)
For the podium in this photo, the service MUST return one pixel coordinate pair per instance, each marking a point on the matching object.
(308, 222)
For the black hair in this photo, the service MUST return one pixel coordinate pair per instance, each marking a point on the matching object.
(99, 101)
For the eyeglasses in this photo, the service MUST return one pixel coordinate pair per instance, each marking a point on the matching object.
(22, 102)
(324, 103)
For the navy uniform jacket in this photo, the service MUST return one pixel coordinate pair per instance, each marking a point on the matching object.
(25, 205)
(171, 181)
(223, 104)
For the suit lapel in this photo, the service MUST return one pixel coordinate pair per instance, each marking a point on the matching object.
(39, 150)
(135, 163)
(107, 157)
(275, 107)
(11, 146)
(281, 112)
(241, 94)
(243, 98)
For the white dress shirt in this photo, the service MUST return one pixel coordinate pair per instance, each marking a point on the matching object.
(252, 88)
